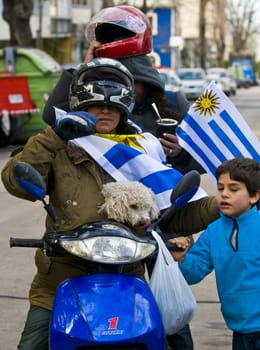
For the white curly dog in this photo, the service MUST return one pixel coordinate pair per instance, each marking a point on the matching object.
(130, 203)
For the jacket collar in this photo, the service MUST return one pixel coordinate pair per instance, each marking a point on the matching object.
(243, 216)
(77, 154)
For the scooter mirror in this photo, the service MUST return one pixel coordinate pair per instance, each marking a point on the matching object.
(181, 194)
(185, 188)
(30, 180)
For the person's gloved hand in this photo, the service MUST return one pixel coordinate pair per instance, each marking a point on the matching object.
(75, 124)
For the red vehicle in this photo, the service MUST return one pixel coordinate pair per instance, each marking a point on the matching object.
(15, 100)
(27, 76)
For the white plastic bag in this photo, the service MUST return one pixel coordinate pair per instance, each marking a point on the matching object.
(173, 295)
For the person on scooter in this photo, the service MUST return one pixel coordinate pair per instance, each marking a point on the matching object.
(115, 32)
(110, 34)
(74, 179)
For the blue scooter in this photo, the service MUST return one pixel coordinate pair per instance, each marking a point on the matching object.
(109, 309)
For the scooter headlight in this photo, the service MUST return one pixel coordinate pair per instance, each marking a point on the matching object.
(109, 249)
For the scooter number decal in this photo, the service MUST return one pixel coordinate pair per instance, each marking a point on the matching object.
(113, 322)
(112, 328)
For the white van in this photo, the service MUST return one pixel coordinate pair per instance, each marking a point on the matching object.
(222, 78)
(194, 81)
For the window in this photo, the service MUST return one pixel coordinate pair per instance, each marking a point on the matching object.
(79, 2)
(60, 26)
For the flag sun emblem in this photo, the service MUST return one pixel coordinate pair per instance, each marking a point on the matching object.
(207, 103)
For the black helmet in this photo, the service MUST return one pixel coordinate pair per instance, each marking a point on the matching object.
(102, 81)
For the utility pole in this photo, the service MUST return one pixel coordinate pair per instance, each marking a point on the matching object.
(176, 48)
(144, 7)
(39, 44)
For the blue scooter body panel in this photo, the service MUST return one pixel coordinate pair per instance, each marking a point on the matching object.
(105, 309)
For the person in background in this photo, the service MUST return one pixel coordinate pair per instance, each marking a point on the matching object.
(231, 247)
(72, 175)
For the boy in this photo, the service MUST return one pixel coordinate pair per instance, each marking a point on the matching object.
(231, 246)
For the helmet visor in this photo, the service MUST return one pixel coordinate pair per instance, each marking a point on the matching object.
(106, 92)
(129, 24)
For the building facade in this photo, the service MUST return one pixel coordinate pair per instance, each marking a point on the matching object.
(58, 27)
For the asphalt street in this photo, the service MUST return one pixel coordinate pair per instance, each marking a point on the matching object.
(25, 219)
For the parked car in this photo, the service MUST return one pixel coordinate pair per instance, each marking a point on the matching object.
(238, 75)
(222, 78)
(171, 79)
(194, 81)
(216, 79)
(233, 84)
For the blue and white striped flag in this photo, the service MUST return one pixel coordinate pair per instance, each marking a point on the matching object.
(125, 163)
(213, 131)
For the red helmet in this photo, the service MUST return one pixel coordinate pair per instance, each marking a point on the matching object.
(122, 30)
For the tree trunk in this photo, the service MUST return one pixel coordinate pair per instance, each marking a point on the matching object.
(17, 14)
(202, 33)
(220, 30)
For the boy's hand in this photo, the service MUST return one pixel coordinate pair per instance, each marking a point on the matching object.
(181, 242)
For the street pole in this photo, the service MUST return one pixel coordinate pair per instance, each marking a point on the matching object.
(176, 42)
(175, 26)
(144, 8)
(39, 31)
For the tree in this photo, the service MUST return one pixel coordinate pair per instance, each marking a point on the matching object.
(215, 25)
(241, 18)
(17, 14)
(202, 32)
(219, 30)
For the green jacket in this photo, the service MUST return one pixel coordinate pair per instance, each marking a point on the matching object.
(74, 182)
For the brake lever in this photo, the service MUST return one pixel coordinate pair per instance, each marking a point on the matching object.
(171, 246)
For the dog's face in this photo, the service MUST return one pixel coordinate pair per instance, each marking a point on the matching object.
(129, 203)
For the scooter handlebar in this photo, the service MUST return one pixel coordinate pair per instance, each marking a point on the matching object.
(26, 242)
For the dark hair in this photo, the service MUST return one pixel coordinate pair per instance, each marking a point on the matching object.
(157, 96)
(142, 70)
(124, 128)
(245, 170)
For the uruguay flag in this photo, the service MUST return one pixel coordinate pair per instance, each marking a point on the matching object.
(213, 131)
(125, 163)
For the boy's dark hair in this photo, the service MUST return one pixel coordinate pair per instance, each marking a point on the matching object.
(245, 170)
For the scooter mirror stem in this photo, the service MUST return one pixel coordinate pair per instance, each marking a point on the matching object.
(51, 211)
(181, 194)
